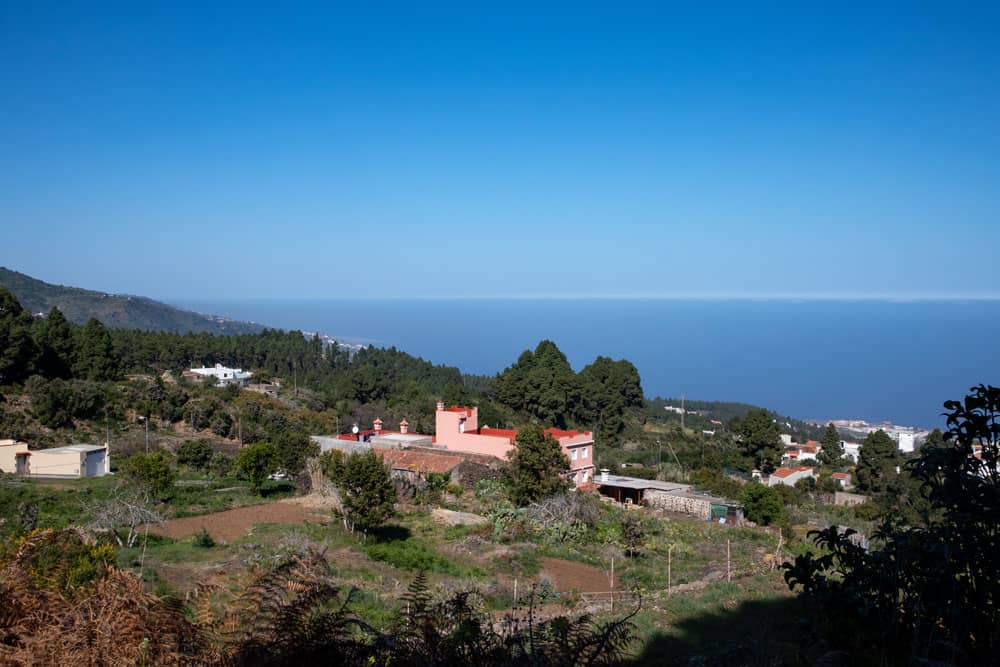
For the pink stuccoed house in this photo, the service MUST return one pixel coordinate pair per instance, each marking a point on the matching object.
(458, 429)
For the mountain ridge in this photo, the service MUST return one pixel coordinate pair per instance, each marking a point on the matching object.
(119, 311)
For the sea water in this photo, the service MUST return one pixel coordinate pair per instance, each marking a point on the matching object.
(822, 359)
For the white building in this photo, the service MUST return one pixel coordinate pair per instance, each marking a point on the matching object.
(72, 461)
(852, 450)
(789, 476)
(906, 442)
(222, 374)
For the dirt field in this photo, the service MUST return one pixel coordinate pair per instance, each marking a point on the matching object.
(236, 523)
(567, 575)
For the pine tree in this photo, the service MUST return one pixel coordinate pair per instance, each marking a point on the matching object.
(761, 440)
(879, 461)
(54, 340)
(17, 349)
(833, 451)
(95, 359)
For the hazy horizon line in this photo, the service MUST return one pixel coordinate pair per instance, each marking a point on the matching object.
(598, 297)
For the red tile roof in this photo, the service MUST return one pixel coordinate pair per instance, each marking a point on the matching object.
(787, 472)
(840, 475)
(561, 433)
(427, 462)
(458, 408)
(508, 433)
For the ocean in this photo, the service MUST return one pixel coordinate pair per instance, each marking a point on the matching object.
(822, 359)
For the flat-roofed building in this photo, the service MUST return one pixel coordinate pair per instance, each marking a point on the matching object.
(71, 461)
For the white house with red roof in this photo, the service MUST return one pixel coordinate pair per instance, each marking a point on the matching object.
(843, 478)
(806, 452)
(790, 476)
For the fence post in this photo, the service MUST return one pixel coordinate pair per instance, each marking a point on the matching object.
(670, 553)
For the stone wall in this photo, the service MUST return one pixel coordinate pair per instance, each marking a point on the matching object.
(680, 503)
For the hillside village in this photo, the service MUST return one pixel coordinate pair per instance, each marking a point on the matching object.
(207, 475)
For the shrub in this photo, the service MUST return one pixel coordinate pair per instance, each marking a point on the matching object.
(194, 453)
(152, 471)
(203, 540)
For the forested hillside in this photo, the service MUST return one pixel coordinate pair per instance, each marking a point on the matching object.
(119, 311)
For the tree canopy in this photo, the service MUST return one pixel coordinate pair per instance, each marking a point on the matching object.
(760, 440)
(543, 386)
(366, 489)
(878, 462)
(832, 453)
(537, 467)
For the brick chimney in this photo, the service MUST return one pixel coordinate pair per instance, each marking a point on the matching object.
(377, 425)
(440, 406)
(404, 426)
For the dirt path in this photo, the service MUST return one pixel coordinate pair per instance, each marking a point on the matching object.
(235, 523)
(567, 575)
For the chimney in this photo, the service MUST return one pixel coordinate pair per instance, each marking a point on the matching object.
(604, 474)
(440, 406)
(404, 426)
(377, 425)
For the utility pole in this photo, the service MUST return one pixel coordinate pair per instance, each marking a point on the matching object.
(682, 411)
(659, 456)
(145, 420)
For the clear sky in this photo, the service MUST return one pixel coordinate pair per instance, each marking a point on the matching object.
(380, 149)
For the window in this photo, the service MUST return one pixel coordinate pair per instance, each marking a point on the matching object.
(574, 454)
(583, 453)
(586, 473)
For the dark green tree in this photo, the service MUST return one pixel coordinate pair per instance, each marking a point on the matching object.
(607, 390)
(257, 462)
(541, 384)
(151, 471)
(366, 489)
(54, 342)
(760, 440)
(17, 348)
(95, 354)
(832, 453)
(538, 467)
(879, 462)
(294, 449)
(935, 440)
(764, 505)
(194, 453)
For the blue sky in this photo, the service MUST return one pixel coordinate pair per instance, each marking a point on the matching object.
(374, 149)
